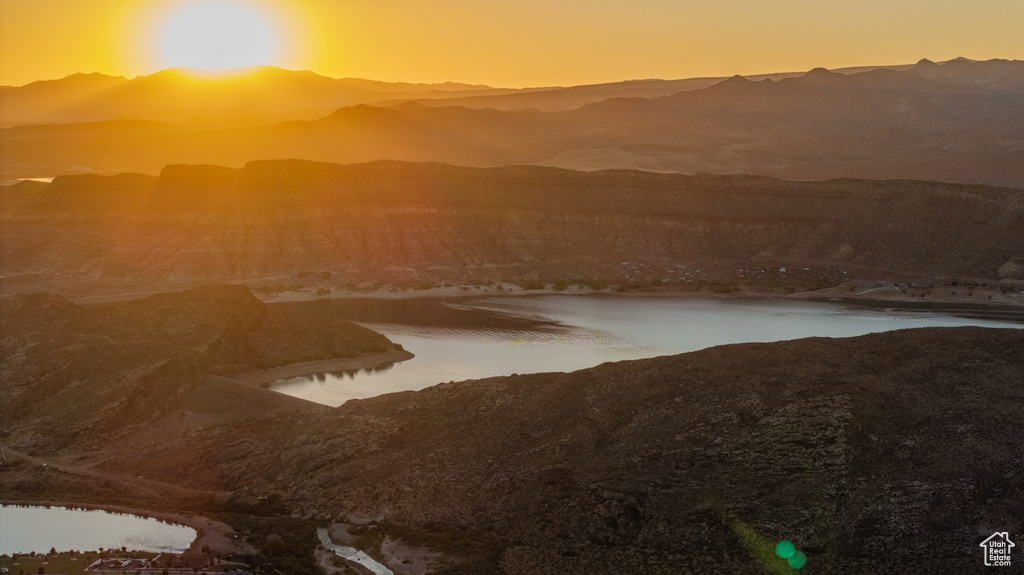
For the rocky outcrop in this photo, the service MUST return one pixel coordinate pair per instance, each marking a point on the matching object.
(1013, 269)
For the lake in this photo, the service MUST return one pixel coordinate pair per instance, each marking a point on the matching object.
(27, 529)
(470, 338)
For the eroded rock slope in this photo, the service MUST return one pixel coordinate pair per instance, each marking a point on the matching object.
(398, 222)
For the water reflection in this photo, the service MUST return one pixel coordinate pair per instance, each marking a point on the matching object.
(27, 529)
(471, 338)
(340, 374)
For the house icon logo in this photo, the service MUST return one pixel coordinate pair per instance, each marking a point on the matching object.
(997, 549)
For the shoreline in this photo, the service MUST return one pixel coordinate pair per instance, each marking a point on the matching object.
(876, 295)
(856, 292)
(219, 536)
(365, 361)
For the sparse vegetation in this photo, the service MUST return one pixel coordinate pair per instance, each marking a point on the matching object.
(531, 284)
(369, 538)
(344, 565)
(722, 287)
(474, 556)
(594, 284)
(289, 544)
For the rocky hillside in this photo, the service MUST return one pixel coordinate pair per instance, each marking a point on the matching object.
(887, 453)
(399, 222)
(73, 375)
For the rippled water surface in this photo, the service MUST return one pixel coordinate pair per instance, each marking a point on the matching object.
(473, 338)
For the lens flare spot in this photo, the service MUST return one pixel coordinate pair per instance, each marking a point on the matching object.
(797, 560)
(785, 549)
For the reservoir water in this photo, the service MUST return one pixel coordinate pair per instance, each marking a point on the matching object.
(469, 338)
(27, 529)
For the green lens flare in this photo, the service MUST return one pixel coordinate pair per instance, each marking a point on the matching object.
(798, 560)
(785, 549)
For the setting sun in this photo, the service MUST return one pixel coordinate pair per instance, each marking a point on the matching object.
(217, 35)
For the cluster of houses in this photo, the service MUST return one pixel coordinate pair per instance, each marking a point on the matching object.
(165, 562)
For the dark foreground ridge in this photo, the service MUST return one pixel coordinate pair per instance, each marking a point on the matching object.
(404, 224)
(887, 453)
(80, 377)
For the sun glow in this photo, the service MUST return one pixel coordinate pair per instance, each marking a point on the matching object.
(216, 35)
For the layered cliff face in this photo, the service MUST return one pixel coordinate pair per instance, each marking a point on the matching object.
(389, 221)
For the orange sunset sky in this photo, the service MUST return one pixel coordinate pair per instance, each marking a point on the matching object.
(501, 43)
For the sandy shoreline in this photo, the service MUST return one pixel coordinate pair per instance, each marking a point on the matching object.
(366, 361)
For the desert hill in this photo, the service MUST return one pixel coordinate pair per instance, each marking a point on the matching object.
(887, 453)
(870, 453)
(407, 223)
(959, 121)
(75, 375)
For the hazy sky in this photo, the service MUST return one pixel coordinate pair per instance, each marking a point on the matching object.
(523, 42)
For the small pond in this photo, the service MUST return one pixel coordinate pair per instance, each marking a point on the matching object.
(27, 529)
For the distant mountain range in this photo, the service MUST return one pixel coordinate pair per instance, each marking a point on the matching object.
(959, 121)
(261, 94)
(267, 94)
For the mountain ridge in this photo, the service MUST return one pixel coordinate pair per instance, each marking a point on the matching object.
(963, 124)
(184, 95)
(42, 105)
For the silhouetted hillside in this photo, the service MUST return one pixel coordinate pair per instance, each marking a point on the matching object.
(261, 94)
(959, 121)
